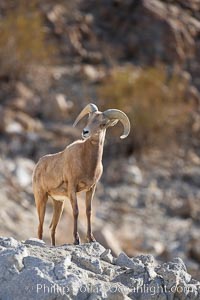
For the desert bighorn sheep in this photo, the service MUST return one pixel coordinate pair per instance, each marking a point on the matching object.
(78, 167)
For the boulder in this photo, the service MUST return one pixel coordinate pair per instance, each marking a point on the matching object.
(32, 270)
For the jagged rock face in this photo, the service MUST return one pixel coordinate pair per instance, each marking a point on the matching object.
(169, 28)
(32, 270)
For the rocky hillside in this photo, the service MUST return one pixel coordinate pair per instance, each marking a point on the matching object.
(32, 270)
(144, 204)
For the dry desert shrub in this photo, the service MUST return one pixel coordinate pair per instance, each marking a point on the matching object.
(23, 39)
(154, 99)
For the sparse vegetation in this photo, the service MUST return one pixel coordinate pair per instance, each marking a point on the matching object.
(153, 99)
(23, 40)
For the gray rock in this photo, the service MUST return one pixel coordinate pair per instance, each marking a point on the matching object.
(174, 273)
(124, 261)
(11, 262)
(92, 264)
(61, 269)
(9, 242)
(29, 284)
(109, 272)
(44, 266)
(95, 249)
(72, 286)
(107, 256)
(31, 271)
(35, 242)
(118, 291)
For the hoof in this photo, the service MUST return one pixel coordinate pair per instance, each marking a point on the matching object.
(77, 242)
(91, 239)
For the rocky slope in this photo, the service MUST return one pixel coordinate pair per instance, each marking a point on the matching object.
(150, 206)
(32, 270)
(141, 209)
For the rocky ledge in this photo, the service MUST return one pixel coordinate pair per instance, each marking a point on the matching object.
(33, 270)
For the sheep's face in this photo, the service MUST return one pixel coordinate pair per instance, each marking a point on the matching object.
(96, 123)
(99, 121)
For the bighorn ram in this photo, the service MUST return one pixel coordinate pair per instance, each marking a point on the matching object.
(78, 167)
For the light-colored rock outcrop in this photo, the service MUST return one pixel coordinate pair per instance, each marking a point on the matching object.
(33, 270)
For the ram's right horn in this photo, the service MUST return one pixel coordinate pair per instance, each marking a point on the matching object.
(122, 117)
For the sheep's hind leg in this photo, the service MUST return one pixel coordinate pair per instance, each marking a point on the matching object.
(40, 201)
(89, 197)
(57, 212)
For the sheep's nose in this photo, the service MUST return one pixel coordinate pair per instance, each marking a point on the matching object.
(85, 131)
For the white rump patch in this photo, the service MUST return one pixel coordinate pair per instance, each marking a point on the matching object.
(61, 198)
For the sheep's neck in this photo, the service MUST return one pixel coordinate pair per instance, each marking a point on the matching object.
(94, 147)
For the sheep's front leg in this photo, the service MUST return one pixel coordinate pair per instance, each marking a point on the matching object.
(73, 200)
(89, 197)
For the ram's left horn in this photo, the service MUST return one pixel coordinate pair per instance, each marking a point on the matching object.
(86, 110)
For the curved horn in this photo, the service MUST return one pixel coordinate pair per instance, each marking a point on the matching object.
(88, 109)
(122, 117)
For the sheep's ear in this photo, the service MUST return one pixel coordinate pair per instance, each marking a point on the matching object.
(113, 122)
